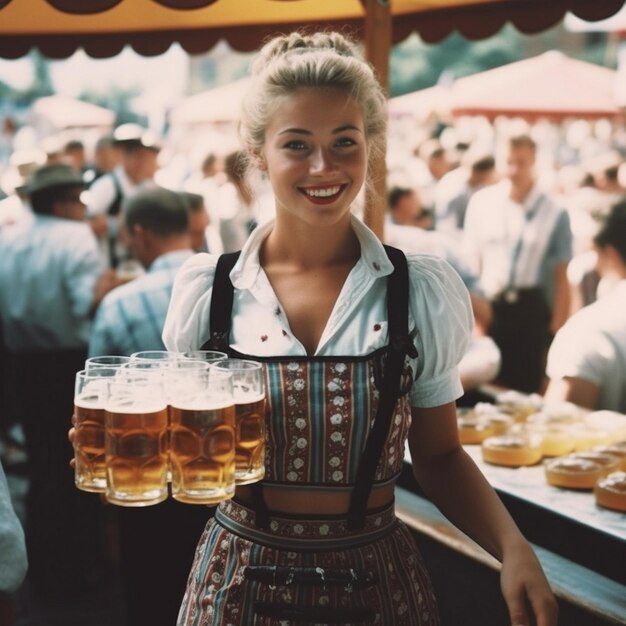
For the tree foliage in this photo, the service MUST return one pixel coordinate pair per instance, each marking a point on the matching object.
(417, 65)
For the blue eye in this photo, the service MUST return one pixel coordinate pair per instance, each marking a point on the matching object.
(344, 142)
(295, 145)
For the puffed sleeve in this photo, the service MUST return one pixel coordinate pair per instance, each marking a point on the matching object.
(441, 313)
(187, 322)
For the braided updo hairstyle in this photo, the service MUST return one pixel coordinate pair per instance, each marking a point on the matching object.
(322, 60)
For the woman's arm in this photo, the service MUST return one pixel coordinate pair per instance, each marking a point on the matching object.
(455, 484)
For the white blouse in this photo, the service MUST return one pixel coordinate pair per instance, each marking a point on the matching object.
(440, 315)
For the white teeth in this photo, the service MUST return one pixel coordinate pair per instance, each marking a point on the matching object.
(322, 193)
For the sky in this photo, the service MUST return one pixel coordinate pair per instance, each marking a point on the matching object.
(165, 74)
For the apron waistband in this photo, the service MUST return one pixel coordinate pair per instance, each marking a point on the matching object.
(303, 533)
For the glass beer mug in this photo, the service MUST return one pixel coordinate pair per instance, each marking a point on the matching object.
(202, 435)
(249, 394)
(90, 393)
(136, 437)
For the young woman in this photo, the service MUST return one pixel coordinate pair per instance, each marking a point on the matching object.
(360, 353)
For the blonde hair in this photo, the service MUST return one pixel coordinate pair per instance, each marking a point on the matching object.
(319, 60)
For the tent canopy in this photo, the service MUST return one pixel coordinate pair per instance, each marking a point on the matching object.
(551, 85)
(103, 27)
(545, 86)
(614, 24)
(65, 112)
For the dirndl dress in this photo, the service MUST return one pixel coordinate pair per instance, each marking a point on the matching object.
(331, 422)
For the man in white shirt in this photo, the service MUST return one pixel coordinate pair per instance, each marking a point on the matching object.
(139, 150)
(587, 360)
(520, 242)
(51, 280)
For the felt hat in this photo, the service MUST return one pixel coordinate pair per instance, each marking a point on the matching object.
(49, 176)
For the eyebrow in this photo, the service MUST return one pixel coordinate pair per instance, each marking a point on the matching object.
(303, 131)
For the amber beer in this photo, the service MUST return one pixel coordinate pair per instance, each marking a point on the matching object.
(90, 465)
(90, 392)
(202, 452)
(136, 443)
(250, 439)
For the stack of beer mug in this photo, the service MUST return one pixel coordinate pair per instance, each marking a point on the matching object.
(190, 422)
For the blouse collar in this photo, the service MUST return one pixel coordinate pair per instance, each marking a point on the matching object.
(373, 256)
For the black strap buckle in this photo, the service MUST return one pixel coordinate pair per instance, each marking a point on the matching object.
(283, 576)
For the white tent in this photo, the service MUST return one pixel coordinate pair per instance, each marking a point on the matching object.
(220, 104)
(62, 112)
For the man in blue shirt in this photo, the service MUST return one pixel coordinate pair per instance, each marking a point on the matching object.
(157, 543)
(51, 281)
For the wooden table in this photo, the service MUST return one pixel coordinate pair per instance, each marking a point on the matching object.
(582, 547)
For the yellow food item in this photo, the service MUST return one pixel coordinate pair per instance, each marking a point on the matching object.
(608, 462)
(511, 450)
(572, 472)
(610, 491)
(616, 449)
(472, 430)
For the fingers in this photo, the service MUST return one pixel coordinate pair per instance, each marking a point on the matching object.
(518, 614)
(71, 435)
(546, 610)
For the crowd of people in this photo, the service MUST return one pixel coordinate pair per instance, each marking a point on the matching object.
(93, 249)
(532, 248)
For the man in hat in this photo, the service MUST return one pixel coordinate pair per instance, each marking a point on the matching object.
(51, 279)
(139, 149)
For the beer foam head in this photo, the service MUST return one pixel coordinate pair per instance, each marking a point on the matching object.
(247, 395)
(135, 407)
(204, 404)
(88, 401)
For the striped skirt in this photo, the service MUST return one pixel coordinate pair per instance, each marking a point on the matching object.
(243, 576)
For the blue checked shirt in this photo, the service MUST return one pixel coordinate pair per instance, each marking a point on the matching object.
(130, 318)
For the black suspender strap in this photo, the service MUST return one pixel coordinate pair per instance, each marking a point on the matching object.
(221, 303)
(220, 323)
(399, 346)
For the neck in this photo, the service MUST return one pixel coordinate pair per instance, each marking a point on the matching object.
(166, 246)
(132, 174)
(520, 191)
(308, 247)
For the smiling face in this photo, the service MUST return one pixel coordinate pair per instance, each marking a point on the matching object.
(315, 154)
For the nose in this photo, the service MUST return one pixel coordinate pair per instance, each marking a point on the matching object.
(321, 161)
